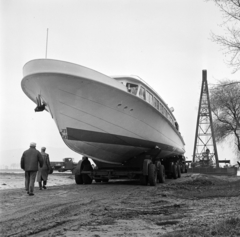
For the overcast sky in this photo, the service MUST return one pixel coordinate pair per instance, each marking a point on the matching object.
(165, 42)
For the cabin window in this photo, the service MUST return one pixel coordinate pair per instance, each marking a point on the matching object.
(164, 112)
(156, 103)
(142, 93)
(168, 116)
(161, 108)
(132, 88)
(149, 98)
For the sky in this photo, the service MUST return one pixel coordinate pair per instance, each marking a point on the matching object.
(165, 42)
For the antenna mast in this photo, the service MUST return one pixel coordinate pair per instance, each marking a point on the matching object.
(46, 44)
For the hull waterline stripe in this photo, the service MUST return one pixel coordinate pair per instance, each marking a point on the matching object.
(106, 138)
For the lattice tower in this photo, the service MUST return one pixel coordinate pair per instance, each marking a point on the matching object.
(205, 150)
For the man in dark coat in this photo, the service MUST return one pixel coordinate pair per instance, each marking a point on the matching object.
(86, 166)
(42, 174)
(29, 163)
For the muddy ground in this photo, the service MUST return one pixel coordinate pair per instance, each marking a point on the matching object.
(120, 208)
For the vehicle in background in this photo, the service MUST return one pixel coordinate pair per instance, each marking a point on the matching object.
(66, 165)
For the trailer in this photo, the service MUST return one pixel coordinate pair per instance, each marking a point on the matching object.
(151, 171)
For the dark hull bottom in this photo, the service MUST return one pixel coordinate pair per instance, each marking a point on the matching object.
(130, 151)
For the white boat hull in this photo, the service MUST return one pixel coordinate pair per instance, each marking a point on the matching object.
(95, 114)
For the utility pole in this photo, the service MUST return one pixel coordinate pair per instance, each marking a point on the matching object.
(205, 144)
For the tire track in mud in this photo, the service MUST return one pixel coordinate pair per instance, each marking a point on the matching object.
(41, 211)
(151, 204)
(82, 210)
(120, 203)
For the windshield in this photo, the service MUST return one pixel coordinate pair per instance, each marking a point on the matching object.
(132, 88)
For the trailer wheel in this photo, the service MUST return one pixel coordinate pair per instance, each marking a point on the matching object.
(152, 174)
(174, 171)
(161, 174)
(78, 179)
(182, 168)
(143, 179)
(158, 165)
(178, 171)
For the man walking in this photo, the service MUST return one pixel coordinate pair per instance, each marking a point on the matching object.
(43, 172)
(29, 163)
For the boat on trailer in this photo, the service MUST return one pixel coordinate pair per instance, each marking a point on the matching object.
(117, 121)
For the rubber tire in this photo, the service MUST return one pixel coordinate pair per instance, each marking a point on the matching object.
(98, 180)
(158, 165)
(182, 168)
(143, 179)
(179, 171)
(174, 171)
(78, 179)
(152, 174)
(161, 174)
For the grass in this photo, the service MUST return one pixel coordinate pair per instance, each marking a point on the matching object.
(227, 228)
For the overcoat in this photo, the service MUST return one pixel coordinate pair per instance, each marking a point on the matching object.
(43, 172)
(31, 160)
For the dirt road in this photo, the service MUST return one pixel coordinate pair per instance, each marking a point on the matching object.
(120, 208)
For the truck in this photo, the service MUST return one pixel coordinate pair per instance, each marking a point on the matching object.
(66, 165)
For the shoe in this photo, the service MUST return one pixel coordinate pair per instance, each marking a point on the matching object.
(31, 194)
(40, 188)
(44, 187)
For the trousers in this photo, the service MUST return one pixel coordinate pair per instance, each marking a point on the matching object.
(44, 183)
(30, 177)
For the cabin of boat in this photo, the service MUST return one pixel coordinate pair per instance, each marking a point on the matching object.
(136, 86)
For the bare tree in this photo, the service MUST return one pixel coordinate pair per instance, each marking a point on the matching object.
(225, 105)
(231, 42)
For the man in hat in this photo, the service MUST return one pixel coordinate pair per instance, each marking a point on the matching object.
(86, 166)
(42, 175)
(29, 163)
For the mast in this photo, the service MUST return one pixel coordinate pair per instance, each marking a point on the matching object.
(46, 44)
